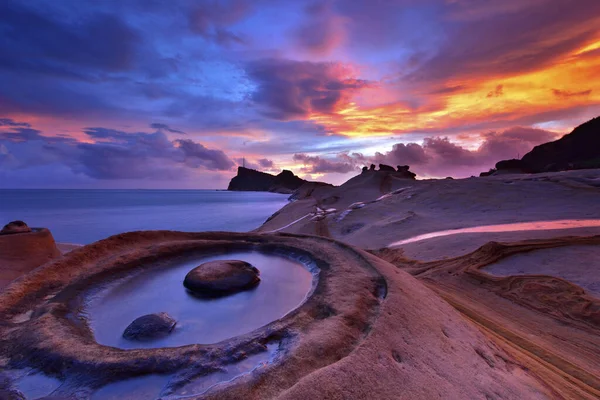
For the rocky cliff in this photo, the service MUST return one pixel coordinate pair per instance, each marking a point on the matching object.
(579, 149)
(256, 181)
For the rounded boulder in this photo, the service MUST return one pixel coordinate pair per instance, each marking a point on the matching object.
(151, 326)
(221, 277)
(15, 227)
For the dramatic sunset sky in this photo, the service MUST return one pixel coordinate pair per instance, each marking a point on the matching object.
(172, 94)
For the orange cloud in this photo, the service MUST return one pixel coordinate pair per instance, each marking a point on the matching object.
(572, 81)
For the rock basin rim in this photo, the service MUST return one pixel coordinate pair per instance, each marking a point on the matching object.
(52, 294)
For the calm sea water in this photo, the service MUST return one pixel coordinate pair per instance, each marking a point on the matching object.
(84, 216)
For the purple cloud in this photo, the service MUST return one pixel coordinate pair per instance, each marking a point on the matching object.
(114, 155)
(316, 164)
(290, 90)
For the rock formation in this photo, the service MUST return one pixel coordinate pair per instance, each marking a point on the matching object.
(151, 326)
(252, 180)
(23, 249)
(579, 149)
(404, 170)
(15, 227)
(221, 277)
(367, 330)
(383, 167)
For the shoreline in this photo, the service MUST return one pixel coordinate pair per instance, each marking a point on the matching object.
(426, 250)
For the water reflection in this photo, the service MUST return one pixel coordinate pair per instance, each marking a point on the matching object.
(514, 227)
(284, 285)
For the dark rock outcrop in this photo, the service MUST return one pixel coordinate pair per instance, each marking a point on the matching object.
(579, 149)
(372, 167)
(15, 227)
(365, 169)
(221, 277)
(491, 172)
(149, 327)
(383, 167)
(256, 181)
(514, 164)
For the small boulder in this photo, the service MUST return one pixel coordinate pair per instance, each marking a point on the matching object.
(221, 277)
(15, 227)
(149, 327)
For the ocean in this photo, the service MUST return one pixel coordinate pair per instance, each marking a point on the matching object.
(85, 216)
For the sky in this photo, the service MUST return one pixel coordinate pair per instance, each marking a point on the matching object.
(177, 94)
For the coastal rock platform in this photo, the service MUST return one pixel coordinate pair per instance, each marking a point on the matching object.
(366, 330)
(515, 255)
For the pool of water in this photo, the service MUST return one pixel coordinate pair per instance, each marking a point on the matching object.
(34, 385)
(577, 264)
(514, 227)
(285, 284)
(160, 386)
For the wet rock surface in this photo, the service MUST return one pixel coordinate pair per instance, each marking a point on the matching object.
(151, 326)
(222, 277)
(360, 309)
(15, 227)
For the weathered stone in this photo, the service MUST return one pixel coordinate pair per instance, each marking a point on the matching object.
(383, 167)
(151, 326)
(15, 227)
(221, 277)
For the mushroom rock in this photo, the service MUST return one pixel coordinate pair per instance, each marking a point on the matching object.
(221, 277)
(383, 167)
(23, 249)
(150, 326)
(15, 227)
(403, 172)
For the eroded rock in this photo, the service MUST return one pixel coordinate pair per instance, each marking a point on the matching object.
(149, 327)
(221, 277)
(383, 167)
(15, 227)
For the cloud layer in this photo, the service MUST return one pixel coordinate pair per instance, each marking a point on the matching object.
(107, 155)
(188, 88)
(436, 156)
